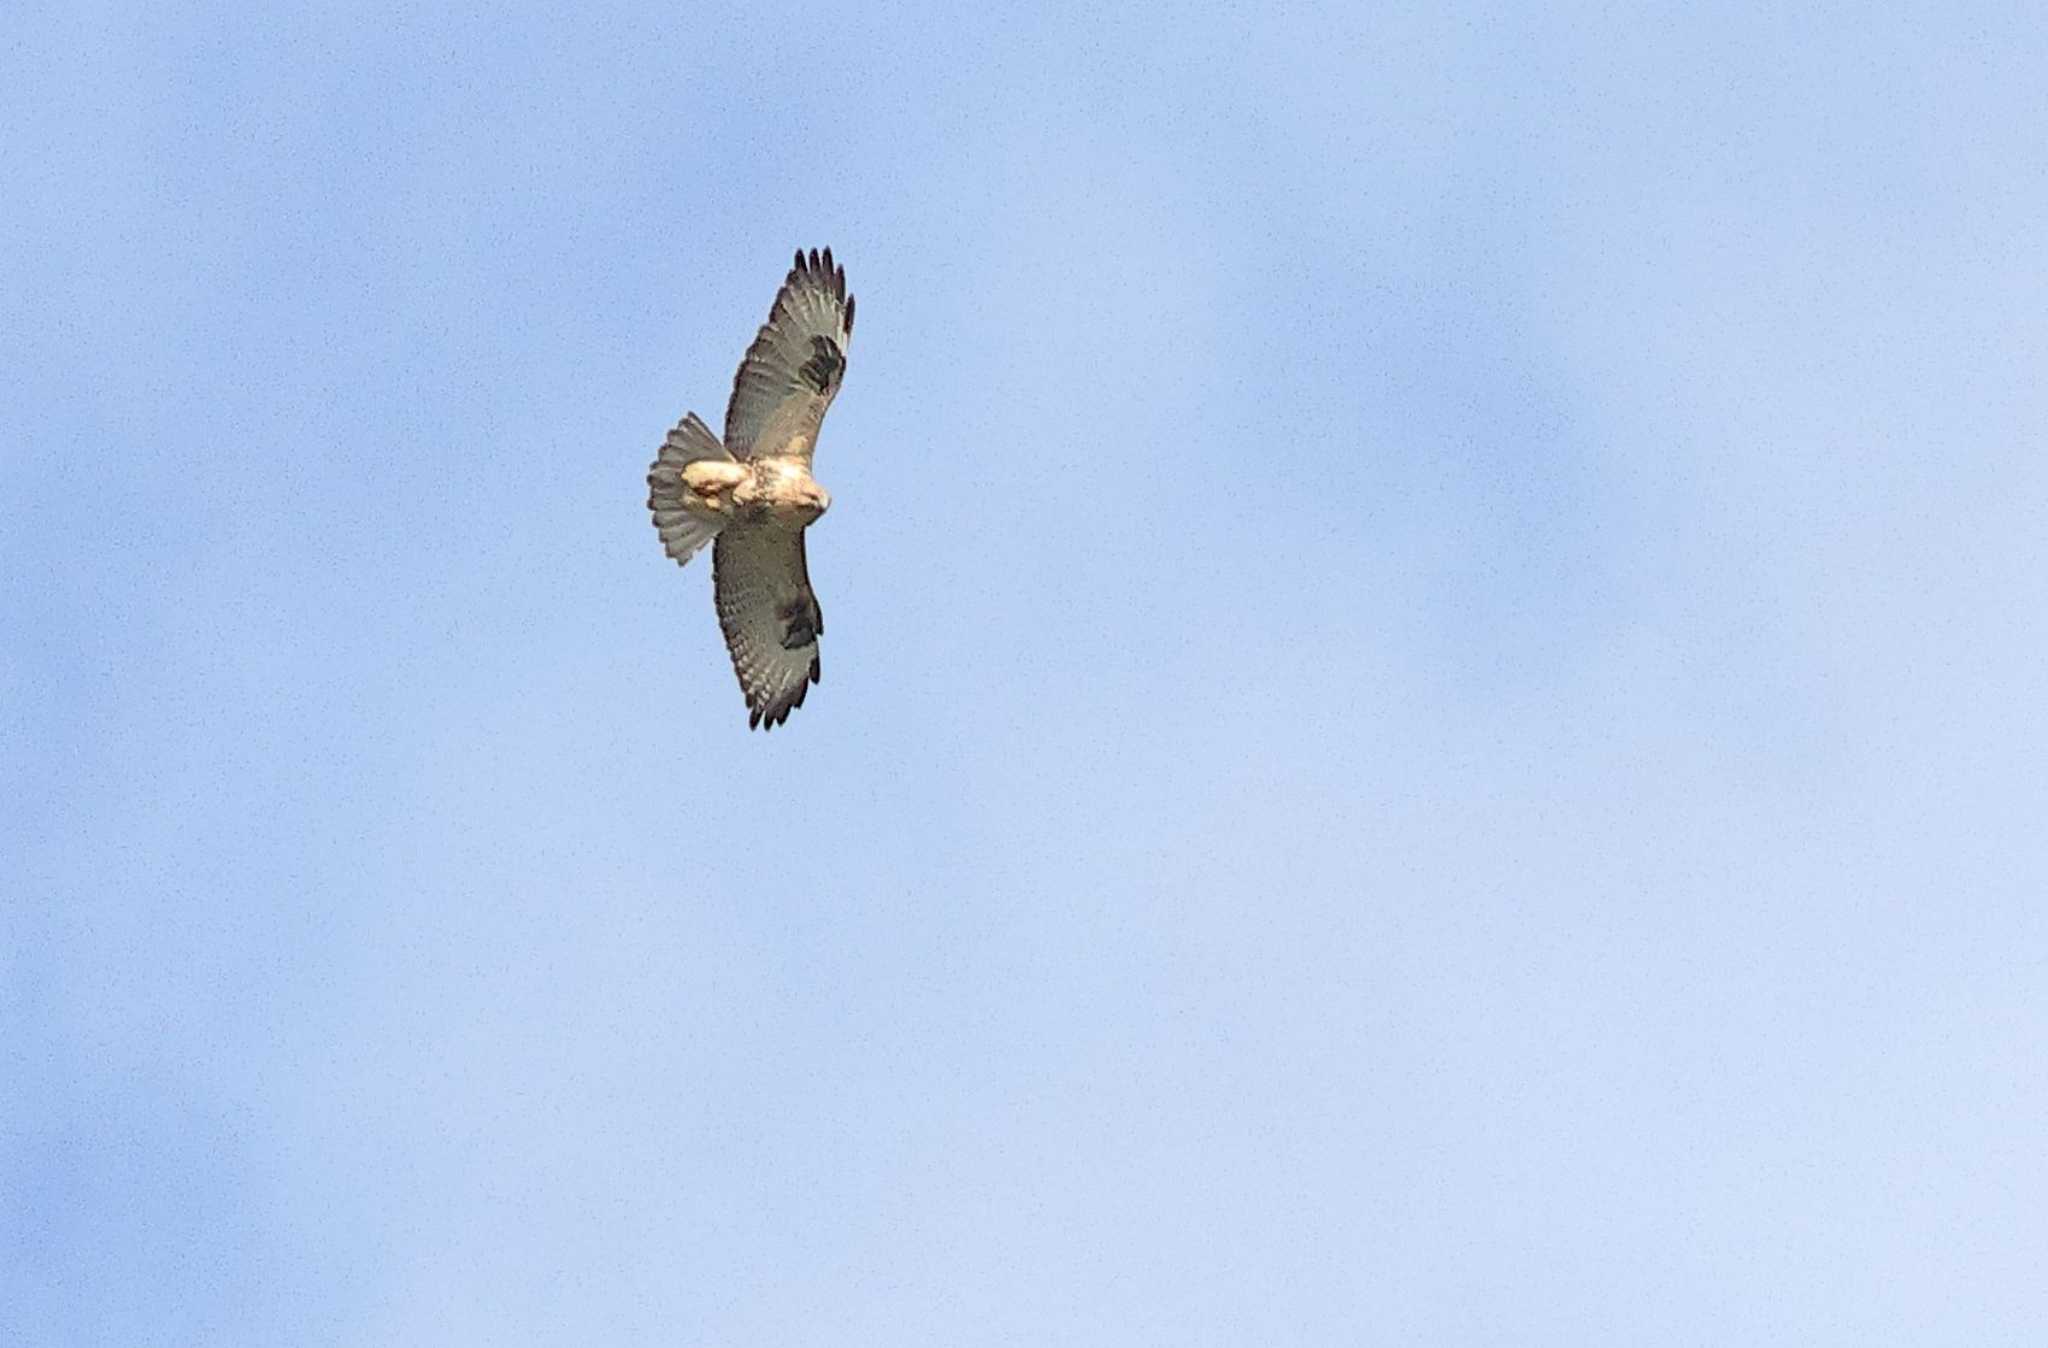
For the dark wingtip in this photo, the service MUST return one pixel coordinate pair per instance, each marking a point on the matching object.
(770, 715)
(849, 315)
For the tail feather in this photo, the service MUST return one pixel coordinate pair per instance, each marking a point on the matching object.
(682, 530)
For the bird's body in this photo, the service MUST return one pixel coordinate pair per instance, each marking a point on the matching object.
(753, 491)
(775, 492)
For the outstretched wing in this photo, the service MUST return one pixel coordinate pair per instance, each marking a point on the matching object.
(792, 370)
(769, 616)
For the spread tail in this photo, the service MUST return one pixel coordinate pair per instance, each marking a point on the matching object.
(682, 529)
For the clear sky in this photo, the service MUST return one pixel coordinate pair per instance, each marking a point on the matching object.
(1432, 727)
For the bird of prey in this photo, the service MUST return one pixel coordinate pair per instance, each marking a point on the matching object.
(753, 491)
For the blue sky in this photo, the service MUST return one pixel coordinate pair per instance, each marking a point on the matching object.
(1432, 712)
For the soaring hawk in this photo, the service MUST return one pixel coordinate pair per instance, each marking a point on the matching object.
(754, 492)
